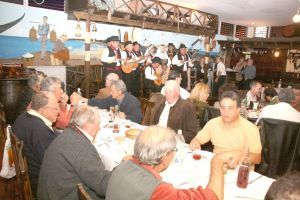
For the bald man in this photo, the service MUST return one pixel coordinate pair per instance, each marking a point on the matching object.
(105, 92)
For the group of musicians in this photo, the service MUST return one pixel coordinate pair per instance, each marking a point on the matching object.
(151, 67)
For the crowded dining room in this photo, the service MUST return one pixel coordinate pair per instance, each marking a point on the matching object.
(149, 100)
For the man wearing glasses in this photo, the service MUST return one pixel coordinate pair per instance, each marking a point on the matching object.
(34, 128)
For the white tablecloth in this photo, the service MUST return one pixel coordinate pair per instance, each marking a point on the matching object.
(184, 171)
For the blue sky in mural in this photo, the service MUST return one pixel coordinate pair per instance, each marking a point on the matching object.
(15, 47)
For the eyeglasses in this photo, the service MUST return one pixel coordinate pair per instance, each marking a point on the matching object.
(57, 109)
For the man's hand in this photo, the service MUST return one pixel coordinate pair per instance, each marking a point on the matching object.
(122, 115)
(195, 144)
(75, 98)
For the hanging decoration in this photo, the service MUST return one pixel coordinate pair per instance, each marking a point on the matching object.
(78, 29)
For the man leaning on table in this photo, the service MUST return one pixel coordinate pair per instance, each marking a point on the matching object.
(72, 158)
(129, 105)
(230, 132)
(139, 178)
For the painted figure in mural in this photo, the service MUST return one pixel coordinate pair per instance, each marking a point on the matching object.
(43, 30)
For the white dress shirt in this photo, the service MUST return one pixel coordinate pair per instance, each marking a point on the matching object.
(150, 73)
(176, 61)
(250, 97)
(282, 111)
(105, 58)
(221, 69)
(163, 119)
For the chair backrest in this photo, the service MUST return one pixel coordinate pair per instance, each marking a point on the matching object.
(82, 194)
(146, 107)
(2, 125)
(280, 147)
(22, 176)
(208, 114)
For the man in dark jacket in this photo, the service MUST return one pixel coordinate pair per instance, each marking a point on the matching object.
(73, 159)
(176, 113)
(129, 106)
(34, 128)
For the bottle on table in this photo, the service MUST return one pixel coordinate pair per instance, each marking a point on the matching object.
(243, 172)
(81, 101)
(111, 114)
(279, 83)
(179, 137)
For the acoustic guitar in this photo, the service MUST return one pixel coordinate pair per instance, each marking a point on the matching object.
(128, 67)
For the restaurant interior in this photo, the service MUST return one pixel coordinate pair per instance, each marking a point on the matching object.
(212, 32)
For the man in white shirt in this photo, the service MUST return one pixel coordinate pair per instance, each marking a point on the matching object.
(111, 57)
(220, 76)
(176, 113)
(254, 93)
(152, 76)
(175, 75)
(182, 63)
(282, 110)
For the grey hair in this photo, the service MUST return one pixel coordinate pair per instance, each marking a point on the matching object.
(253, 84)
(84, 114)
(33, 80)
(40, 100)
(286, 95)
(172, 86)
(120, 85)
(48, 83)
(153, 143)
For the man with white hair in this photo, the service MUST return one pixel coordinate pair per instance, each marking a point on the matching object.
(34, 128)
(105, 92)
(282, 110)
(129, 105)
(139, 178)
(176, 113)
(73, 159)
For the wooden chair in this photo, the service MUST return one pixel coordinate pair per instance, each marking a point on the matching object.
(82, 194)
(2, 125)
(22, 176)
(146, 107)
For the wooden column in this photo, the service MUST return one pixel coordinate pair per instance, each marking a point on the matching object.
(88, 53)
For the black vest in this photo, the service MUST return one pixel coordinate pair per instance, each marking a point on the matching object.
(111, 53)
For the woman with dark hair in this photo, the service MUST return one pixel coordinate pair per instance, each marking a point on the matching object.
(271, 97)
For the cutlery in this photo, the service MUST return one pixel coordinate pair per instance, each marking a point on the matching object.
(255, 179)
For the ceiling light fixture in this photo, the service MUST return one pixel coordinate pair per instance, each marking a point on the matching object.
(296, 17)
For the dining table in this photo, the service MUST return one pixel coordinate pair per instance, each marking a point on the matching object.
(184, 171)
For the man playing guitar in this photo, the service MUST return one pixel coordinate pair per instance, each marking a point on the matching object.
(152, 76)
(111, 57)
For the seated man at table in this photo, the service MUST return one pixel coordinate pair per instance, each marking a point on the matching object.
(139, 178)
(254, 93)
(73, 159)
(174, 112)
(286, 187)
(175, 75)
(105, 92)
(54, 85)
(230, 132)
(129, 105)
(34, 128)
(282, 110)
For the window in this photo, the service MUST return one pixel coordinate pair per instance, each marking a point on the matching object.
(49, 4)
(240, 31)
(227, 29)
(261, 31)
(276, 31)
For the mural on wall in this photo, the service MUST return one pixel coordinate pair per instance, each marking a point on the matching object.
(7, 26)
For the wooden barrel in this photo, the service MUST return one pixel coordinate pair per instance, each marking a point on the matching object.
(10, 90)
(13, 80)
